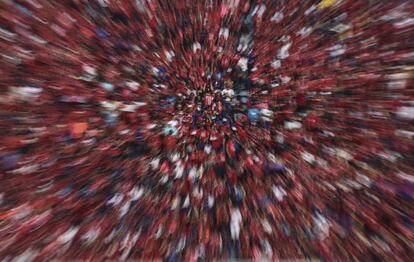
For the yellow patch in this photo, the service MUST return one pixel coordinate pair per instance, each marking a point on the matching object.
(346, 34)
(326, 3)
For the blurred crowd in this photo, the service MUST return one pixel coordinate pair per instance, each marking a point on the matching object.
(202, 130)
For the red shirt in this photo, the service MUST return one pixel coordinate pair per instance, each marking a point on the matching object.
(208, 100)
(242, 134)
(155, 141)
(218, 141)
(232, 175)
(203, 135)
(164, 167)
(230, 148)
(170, 142)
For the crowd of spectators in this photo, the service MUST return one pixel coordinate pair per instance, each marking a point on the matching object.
(203, 130)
